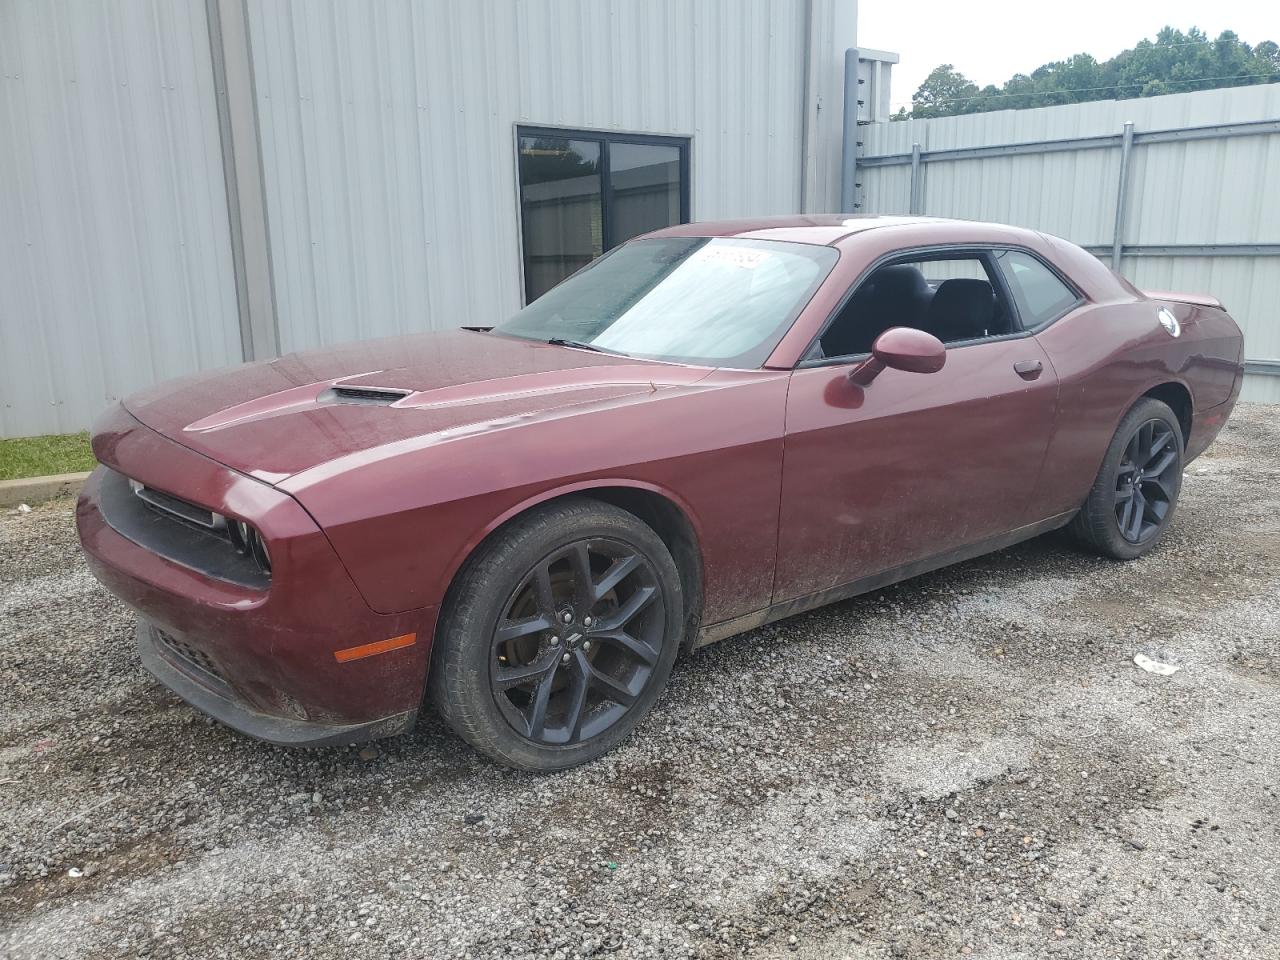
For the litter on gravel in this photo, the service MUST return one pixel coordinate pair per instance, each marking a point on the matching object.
(1155, 666)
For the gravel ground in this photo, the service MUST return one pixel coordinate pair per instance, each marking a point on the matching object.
(966, 764)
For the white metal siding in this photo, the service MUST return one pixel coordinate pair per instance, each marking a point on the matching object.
(115, 260)
(389, 147)
(388, 161)
(1202, 192)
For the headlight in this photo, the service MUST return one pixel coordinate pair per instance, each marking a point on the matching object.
(217, 533)
(249, 543)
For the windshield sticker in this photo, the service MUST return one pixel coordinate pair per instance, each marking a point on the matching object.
(733, 256)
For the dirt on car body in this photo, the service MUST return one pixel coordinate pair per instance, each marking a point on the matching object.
(967, 764)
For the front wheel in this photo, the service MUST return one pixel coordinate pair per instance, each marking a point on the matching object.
(559, 636)
(1136, 491)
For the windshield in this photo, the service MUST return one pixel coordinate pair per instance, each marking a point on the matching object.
(718, 301)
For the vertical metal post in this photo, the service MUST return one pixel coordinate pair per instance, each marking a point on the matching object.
(914, 205)
(1122, 195)
(849, 136)
(242, 171)
(808, 118)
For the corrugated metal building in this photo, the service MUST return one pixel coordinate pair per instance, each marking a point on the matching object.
(115, 253)
(189, 183)
(1199, 212)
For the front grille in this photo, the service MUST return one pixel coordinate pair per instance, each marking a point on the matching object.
(167, 503)
(183, 532)
(192, 658)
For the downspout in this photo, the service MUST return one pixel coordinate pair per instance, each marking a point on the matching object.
(806, 127)
(849, 135)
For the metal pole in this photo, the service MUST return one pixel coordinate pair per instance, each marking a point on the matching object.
(914, 206)
(241, 143)
(849, 136)
(1122, 192)
(808, 131)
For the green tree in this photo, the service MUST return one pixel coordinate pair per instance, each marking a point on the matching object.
(944, 92)
(1174, 62)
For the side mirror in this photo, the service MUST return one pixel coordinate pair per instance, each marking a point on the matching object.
(902, 348)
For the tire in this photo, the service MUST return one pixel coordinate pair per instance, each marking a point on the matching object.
(513, 697)
(1124, 519)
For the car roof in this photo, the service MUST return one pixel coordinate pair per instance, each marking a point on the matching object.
(828, 229)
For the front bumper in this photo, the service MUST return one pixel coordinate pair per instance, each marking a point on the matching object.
(223, 707)
(261, 660)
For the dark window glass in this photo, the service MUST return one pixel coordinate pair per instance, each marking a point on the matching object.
(951, 297)
(560, 209)
(644, 179)
(720, 301)
(1040, 295)
(582, 194)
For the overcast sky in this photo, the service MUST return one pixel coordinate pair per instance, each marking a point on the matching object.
(991, 40)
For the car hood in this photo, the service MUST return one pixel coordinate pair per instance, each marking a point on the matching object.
(276, 418)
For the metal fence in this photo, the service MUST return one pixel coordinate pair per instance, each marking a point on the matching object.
(1176, 193)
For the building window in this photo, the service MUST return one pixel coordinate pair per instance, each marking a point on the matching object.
(582, 193)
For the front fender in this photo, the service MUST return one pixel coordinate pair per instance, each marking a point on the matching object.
(598, 484)
(405, 523)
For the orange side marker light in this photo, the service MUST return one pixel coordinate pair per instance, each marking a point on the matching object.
(373, 649)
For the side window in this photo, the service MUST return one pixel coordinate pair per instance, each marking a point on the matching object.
(1039, 294)
(951, 296)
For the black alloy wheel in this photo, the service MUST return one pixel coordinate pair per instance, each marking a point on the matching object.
(578, 642)
(1145, 486)
(558, 635)
(1133, 497)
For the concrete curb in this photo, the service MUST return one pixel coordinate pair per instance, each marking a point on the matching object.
(37, 489)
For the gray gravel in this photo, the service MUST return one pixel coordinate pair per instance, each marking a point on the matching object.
(966, 764)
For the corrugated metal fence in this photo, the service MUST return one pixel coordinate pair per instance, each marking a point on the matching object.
(371, 186)
(1199, 209)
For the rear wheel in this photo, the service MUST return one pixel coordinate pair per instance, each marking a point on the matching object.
(559, 636)
(1136, 491)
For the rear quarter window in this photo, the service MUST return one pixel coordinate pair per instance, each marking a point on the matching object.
(1039, 294)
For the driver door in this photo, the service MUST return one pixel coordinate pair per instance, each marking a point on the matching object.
(912, 467)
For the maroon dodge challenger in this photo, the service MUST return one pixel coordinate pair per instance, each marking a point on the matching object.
(710, 428)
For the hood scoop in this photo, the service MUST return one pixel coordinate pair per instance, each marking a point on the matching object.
(296, 399)
(526, 392)
(375, 396)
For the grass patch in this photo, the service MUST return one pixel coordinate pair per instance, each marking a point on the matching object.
(42, 456)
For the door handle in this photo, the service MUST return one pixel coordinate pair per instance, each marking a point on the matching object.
(1028, 369)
